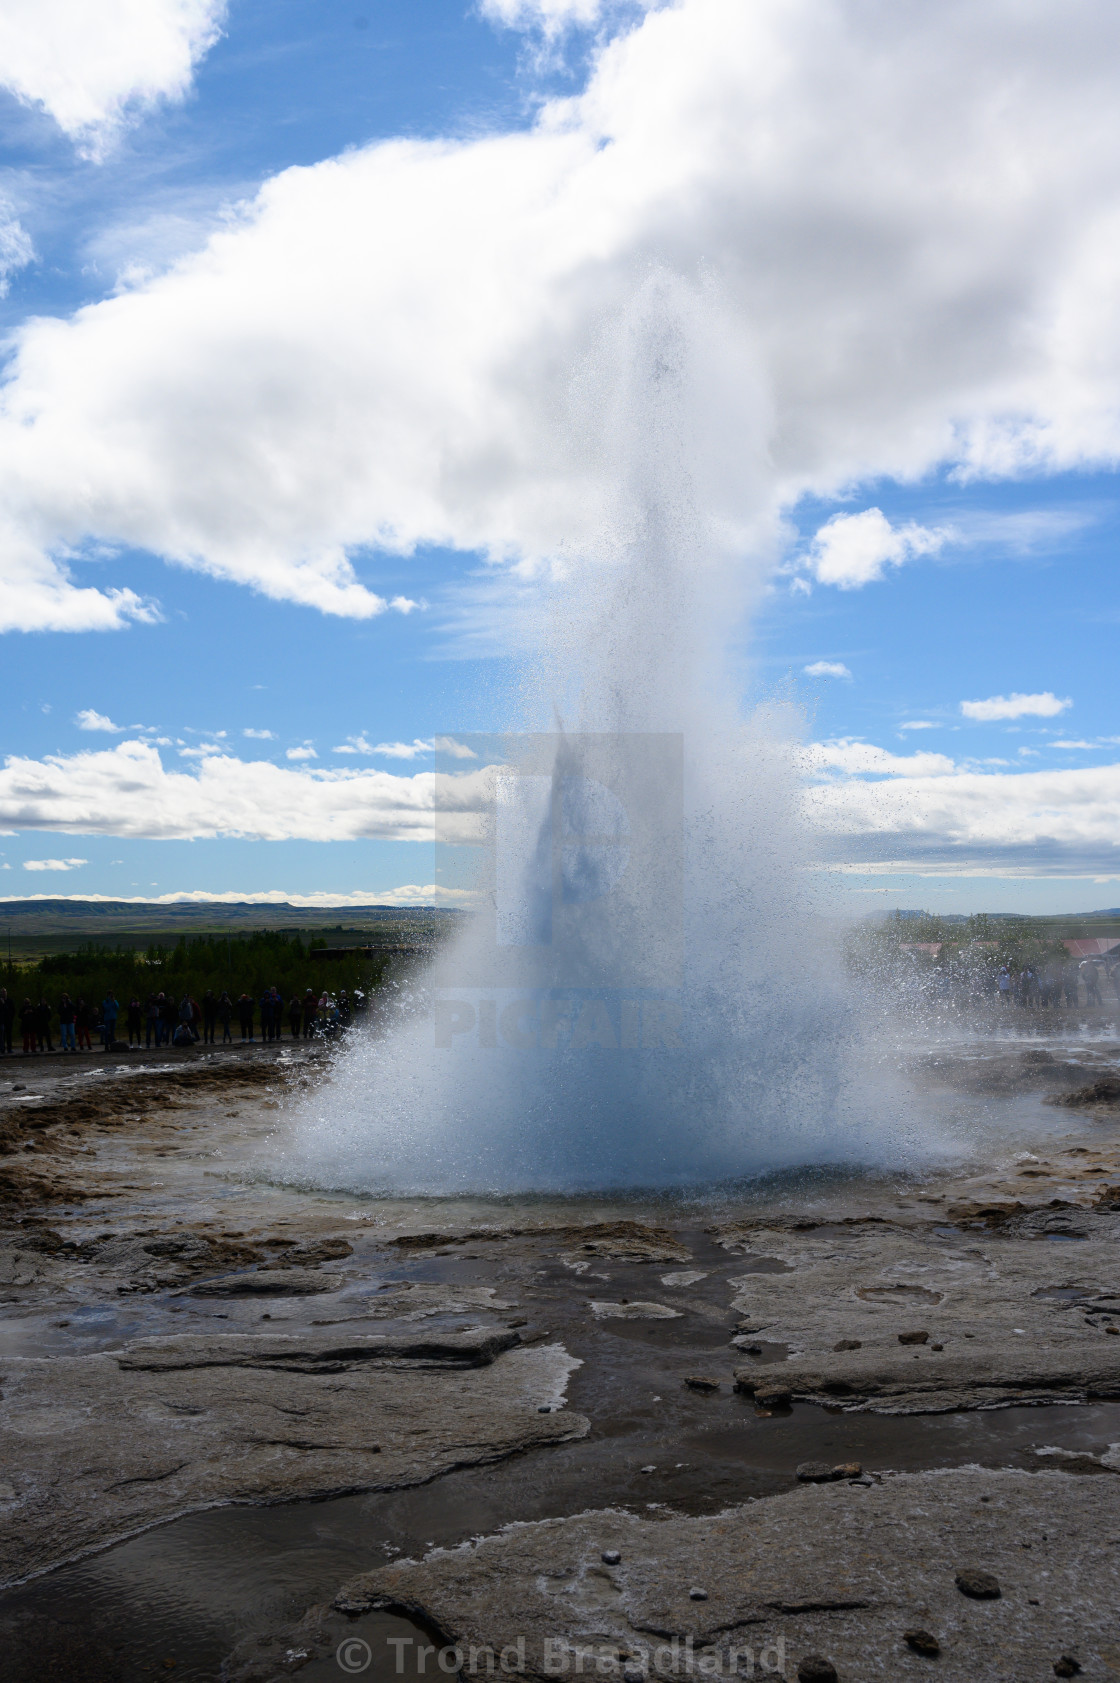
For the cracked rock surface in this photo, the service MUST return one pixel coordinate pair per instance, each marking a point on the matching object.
(1006, 1319)
(98, 1447)
(883, 1560)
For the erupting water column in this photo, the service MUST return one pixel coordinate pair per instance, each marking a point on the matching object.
(645, 998)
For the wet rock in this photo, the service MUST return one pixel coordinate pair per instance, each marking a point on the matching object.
(922, 1643)
(417, 1302)
(1001, 1341)
(913, 1338)
(1105, 1092)
(610, 1557)
(604, 1311)
(697, 1594)
(1067, 1666)
(270, 1282)
(101, 1446)
(814, 1668)
(874, 1551)
(818, 1472)
(697, 1382)
(978, 1586)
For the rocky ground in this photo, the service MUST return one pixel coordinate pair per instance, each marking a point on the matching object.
(795, 1417)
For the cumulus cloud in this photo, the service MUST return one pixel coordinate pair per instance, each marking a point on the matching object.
(53, 864)
(90, 719)
(258, 735)
(92, 67)
(1016, 706)
(304, 752)
(126, 791)
(919, 724)
(852, 550)
(1038, 821)
(444, 342)
(827, 669)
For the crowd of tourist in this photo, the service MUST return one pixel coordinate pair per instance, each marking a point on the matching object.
(1052, 984)
(162, 1020)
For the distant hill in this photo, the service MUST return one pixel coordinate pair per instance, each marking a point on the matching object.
(78, 921)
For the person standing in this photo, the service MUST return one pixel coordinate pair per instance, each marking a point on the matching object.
(167, 1017)
(268, 1031)
(110, 1011)
(134, 1020)
(151, 1021)
(27, 1026)
(83, 1022)
(1092, 978)
(225, 1013)
(7, 1020)
(43, 1026)
(67, 1015)
(209, 1016)
(295, 1014)
(309, 1009)
(245, 1016)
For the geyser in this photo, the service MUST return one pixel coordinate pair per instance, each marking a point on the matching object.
(645, 997)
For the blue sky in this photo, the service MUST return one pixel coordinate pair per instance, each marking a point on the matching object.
(300, 464)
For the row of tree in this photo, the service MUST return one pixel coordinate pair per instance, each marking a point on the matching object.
(232, 964)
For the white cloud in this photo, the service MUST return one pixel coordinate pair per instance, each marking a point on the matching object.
(827, 669)
(93, 66)
(852, 550)
(863, 759)
(919, 724)
(407, 894)
(89, 719)
(451, 342)
(1016, 706)
(126, 791)
(305, 752)
(453, 749)
(258, 735)
(554, 16)
(16, 248)
(1039, 820)
(1071, 744)
(53, 864)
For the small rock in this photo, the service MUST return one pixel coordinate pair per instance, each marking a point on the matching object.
(937, 1346)
(981, 1586)
(647, 1469)
(818, 1472)
(697, 1382)
(1115, 1331)
(1067, 1666)
(814, 1668)
(922, 1643)
(695, 1594)
(778, 1397)
(847, 1469)
(352, 1605)
(913, 1338)
(610, 1557)
(848, 1344)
